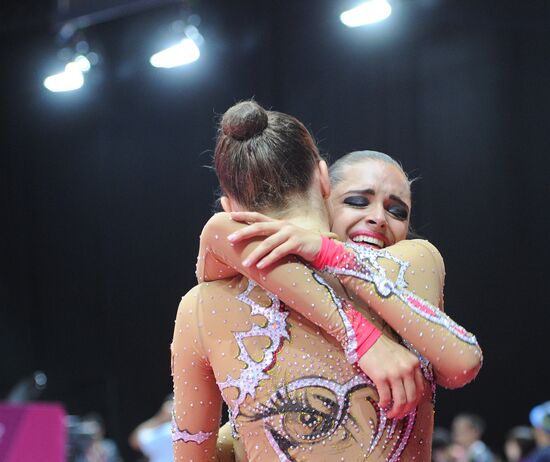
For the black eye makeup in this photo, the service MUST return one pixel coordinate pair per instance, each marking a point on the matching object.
(357, 201)
(398, 211)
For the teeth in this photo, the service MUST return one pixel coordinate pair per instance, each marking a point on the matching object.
(369, 240)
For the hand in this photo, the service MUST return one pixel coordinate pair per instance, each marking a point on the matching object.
(284, 238)
(396, 373)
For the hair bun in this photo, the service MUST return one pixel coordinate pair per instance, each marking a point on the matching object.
(244, 120)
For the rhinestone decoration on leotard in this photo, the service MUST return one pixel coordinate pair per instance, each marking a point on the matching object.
(276, 329)
(283, 403)
(425, 367)
(185, 436)
(350, 342)
(364, 265)
(249, 378)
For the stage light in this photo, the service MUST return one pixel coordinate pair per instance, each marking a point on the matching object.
(184, 52)
(366, 13)
(83, 63)
(72, 78)
(68, 80)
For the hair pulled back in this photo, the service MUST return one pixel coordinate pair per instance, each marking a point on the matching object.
(336, 170)
(263, 158)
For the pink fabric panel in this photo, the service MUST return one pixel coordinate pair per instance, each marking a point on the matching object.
(33, 432)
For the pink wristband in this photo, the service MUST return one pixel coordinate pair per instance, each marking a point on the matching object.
(365, 332)
(331, 254)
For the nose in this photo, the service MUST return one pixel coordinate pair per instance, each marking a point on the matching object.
(376, 216)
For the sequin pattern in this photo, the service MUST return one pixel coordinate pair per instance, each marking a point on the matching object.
(186, 437)
(254, 372)
(290, 389)
(367, 267)
(350, 342)
(280, 403)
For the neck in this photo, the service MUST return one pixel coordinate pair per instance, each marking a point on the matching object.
(306, 215)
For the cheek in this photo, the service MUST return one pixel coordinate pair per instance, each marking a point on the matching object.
(342, 219)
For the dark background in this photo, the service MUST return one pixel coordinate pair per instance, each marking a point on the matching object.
(104, 191)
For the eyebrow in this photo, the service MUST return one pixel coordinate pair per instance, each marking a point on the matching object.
(372, 193)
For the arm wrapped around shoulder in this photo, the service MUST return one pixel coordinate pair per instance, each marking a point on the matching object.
(404, 285)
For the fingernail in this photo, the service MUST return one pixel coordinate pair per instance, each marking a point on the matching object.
(260, 265)
(231, 237)
(246, 262)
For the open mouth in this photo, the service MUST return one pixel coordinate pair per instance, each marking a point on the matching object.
(371, 241)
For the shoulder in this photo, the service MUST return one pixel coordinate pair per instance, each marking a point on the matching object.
(421, 250)
(189, 300)
(218, 221)
(420, 245)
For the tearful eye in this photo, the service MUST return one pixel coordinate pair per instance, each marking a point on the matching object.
(399, 212)
(356, 201)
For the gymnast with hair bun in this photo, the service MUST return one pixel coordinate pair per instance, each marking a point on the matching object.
(336, 359)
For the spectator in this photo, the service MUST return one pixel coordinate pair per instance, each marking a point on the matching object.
(519, 443)
(97, 447)
(442, 447)
(467, 430)
(540, 420)
(154, 436)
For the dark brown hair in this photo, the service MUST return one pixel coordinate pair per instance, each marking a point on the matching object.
(263, 158)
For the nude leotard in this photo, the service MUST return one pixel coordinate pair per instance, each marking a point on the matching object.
(289, 385)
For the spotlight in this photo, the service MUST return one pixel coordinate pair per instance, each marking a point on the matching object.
(68, 80)
(72, 78)
(184, 52)
(366, 13)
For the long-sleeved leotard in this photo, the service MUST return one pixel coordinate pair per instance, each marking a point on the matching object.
(291, 391)
(403, 284)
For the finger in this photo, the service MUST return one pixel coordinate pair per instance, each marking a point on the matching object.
(384, 394)
(420, 383)
(409, 385)
(257, 229)
(277, 253)
(399, 398)
(250, 217)
(264, 248)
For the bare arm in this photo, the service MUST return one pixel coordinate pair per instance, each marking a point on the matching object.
(197, 399)
(455, 360)
(404, 284)
(394, 370)
(291, 281)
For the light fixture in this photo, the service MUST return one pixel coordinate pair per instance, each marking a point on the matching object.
(186, 50)
(80, 62)
(182, 53)
(72, 78)
(366, 13)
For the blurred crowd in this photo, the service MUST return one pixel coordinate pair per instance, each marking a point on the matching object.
(152, 438)
(464, 441)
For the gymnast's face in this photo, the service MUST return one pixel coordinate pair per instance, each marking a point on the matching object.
(371, 205)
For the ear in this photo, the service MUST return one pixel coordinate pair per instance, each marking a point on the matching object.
(324, 179)
(226, 204)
